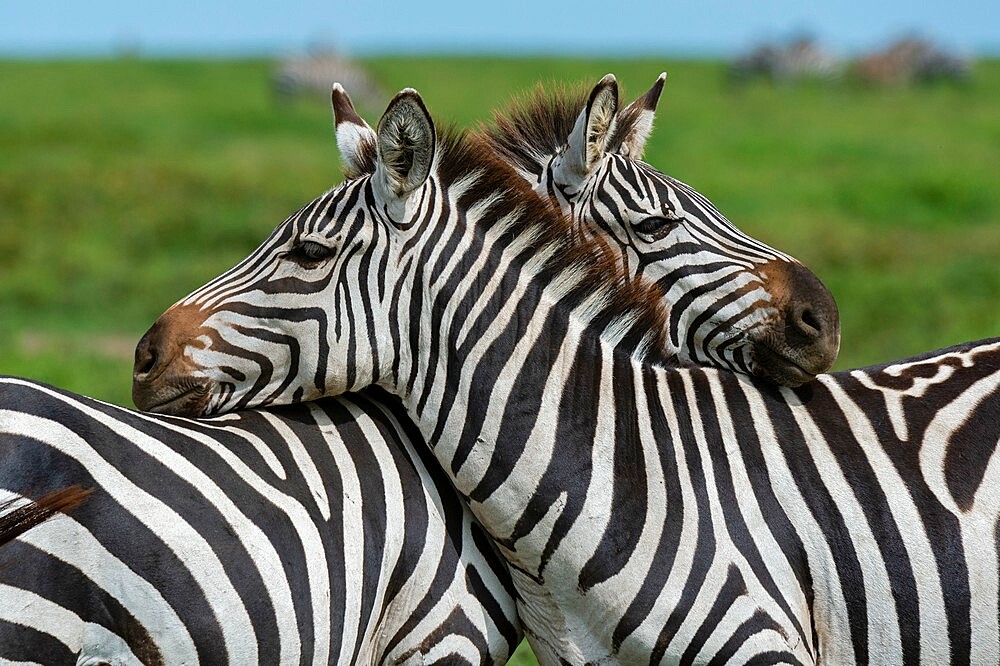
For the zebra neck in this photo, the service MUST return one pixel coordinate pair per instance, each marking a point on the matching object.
(513, 381)
(500, 312)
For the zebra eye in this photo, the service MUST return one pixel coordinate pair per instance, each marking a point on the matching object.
(309, 253)
(655, 227)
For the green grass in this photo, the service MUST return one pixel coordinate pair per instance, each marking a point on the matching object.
(125, 184)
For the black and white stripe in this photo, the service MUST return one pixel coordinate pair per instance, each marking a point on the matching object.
(649, 513)
(733, 301)
(314, 534)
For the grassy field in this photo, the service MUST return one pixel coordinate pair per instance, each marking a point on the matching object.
(125, 184)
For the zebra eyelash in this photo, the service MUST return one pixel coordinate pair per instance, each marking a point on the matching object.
(308, 254)
(656, 227)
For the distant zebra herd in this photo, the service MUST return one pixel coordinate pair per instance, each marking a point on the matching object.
(501, 383)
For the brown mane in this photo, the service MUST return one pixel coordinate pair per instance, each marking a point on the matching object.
(535, 126)
(460, 154)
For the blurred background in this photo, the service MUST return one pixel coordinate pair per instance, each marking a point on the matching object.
(146, 147)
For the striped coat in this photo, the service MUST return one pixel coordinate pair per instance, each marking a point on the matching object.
(649, 513)
(312, 534)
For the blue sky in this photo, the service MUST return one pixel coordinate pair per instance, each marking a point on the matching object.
(707, 27)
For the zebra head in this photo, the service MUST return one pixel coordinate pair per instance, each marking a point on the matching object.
(339, 295)
(305, 314)
(733, 301)
(320, 307)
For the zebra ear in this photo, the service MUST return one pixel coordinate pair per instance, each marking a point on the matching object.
(355, 137)
(405, 141)
(635, 122)
(588, 141)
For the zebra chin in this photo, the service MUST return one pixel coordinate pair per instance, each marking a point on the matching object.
(785, 371)
(779, 355)
(185, 396)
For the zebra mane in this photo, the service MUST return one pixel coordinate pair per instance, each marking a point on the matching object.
(535, 126)
(631, 307)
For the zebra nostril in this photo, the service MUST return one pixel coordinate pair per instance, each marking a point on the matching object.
(145, 359)
(805, 322)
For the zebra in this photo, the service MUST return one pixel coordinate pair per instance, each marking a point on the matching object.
(313, 74)
(492, 641)
(733, 301)
(320, 533)
(798, 59)
(648, 512)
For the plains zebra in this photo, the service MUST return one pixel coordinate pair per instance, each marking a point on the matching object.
(799, 59)
(733, 302)
(313, 74)
(348, 112)
(317, 534)
(648, 512)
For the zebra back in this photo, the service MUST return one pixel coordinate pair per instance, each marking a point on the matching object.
(313, 534)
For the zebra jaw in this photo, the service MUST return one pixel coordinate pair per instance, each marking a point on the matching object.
(183, 397)
(772, 366)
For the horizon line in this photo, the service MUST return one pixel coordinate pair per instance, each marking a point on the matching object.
(126, 47)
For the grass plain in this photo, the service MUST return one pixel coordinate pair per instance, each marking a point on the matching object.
(125, 184)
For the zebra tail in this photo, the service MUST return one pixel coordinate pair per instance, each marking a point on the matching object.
(16, 520)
